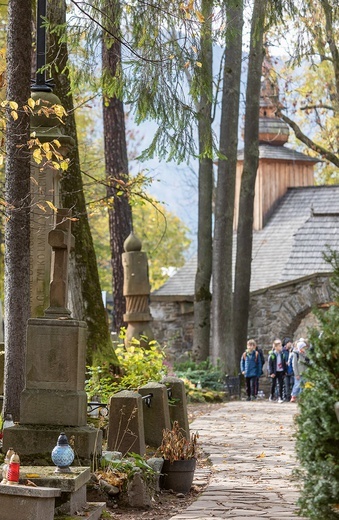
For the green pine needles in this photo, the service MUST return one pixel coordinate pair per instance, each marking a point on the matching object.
(318, 429)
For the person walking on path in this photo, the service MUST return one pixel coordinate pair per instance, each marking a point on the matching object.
(277, 370)
(262, 359)
(250, 367)
(300, 362)
(289, 376)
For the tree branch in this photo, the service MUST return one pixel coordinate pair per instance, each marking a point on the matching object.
(329, 156)
(321, 105)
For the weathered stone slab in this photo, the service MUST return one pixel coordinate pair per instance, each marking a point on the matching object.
(72, 485)
(126, 423)
(156, 416)
(55, 373)
(23, 502)
(37, 442)
(178, 406)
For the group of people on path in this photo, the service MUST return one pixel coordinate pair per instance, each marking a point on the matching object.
(286, 365)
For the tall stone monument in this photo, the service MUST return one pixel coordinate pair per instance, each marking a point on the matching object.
(54, 398)
(45, 182)
(136, 291)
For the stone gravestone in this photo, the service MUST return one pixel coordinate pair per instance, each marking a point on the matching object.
(54, 398)
(136, 291)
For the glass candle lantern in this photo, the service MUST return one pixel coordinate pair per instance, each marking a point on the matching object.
(62, 455)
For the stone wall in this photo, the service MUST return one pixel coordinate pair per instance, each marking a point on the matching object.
(285, 309)
(173, 326)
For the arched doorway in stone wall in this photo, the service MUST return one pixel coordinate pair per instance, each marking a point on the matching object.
(286, 309)
(308, 322)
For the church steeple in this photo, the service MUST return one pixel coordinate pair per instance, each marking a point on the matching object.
(272, 129)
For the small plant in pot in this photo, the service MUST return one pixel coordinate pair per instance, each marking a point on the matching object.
(180, 456)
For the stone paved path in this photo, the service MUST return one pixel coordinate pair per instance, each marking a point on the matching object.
(251, 448)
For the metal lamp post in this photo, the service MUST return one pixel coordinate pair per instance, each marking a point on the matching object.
(41, 84)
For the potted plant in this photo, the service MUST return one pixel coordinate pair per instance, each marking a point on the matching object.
(180, 456)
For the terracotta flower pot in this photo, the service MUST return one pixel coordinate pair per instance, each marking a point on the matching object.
(178, 475)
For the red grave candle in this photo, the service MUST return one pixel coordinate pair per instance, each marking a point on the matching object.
(13, 470)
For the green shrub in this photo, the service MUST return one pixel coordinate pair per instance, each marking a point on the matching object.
(138, 366)
(317, 442)
(203, 374)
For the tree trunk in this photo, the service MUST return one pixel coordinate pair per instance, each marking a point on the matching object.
(120, 214)
(17, 281)
(85, 288)
(222, 347)
(251, 158)
(202, 297)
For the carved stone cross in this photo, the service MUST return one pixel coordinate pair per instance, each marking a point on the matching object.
(62, 241)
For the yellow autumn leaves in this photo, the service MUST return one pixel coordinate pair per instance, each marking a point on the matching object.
(49, 152)
(189, 10)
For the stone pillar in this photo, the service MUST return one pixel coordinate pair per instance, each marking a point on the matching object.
(126, 423)
(44, 197)
(136, 291)
(178, 408)
(156, 417)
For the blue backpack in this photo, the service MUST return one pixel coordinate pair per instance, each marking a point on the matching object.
(290, 363)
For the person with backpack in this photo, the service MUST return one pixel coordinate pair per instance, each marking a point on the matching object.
(300, 362)
(277, 369)
(251, 368)
(289, 376)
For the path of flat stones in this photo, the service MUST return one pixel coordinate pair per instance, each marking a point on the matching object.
(251, 447)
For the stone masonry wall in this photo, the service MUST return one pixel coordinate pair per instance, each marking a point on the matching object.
(281, 310)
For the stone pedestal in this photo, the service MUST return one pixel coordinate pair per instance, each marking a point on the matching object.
(22, 502)
(54, 399)
(156, 416)
(72, 486)
(55, 373)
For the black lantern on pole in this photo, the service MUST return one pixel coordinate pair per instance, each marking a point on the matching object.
(41, 84)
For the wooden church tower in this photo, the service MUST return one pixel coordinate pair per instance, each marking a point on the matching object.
(279, 167)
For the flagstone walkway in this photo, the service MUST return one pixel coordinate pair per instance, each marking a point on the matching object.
(251, 447)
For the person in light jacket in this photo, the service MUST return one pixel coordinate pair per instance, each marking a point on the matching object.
(300, 362)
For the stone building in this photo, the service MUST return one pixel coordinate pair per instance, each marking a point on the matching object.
(294, 223)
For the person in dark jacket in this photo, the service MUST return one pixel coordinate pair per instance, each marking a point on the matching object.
(289, 376)
(277, 369)
(250, 367)
(262, 359)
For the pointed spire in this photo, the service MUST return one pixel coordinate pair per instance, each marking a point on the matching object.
(272, 130)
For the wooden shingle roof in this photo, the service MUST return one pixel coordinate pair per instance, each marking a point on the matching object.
(290, 246)
(282, 153)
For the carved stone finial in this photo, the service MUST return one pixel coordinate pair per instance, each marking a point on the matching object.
(132, 243)
(136, 291)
